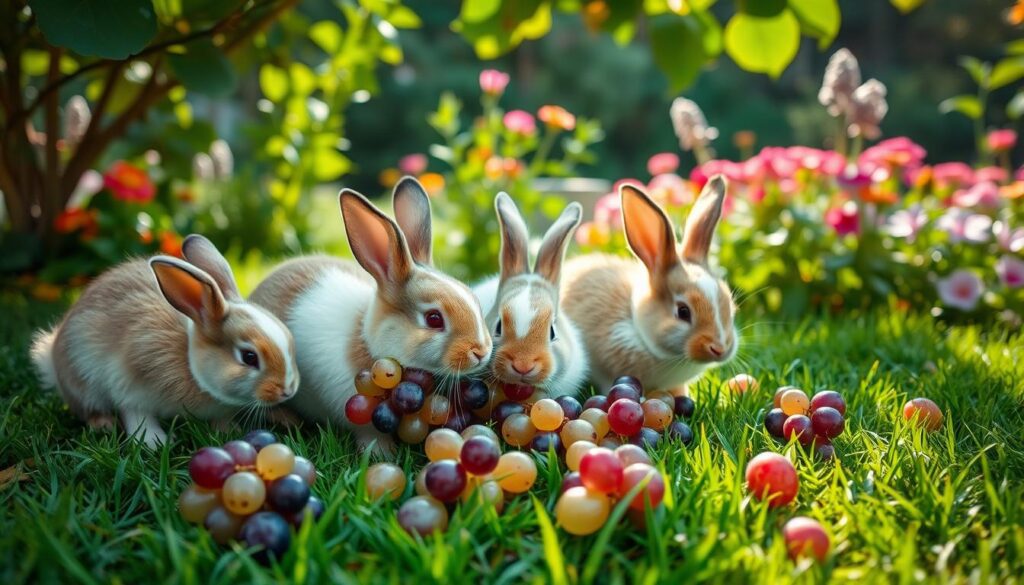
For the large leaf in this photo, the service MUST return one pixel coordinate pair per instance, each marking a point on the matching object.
(978, 69)
(1006, 72)
(514, 22)
(203, 68)
(818, 18)
(763, 44)
(906, 6)
(677, 44)
(478, 10)
(273, 82)
(967, 105)
(1015, 109)
(110, 29)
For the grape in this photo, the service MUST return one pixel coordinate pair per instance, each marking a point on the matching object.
(794, 402)
(597, 419)
(777, 398)
(486, 412)
(365, 385)
(457, 422)
(827, 422)
(651, 494)
(270, 532)
(195, 503)
(516, 472)
(359, 409)
(506, 409)
(546, 441)
(242, 453)
(570, 406)
(922, 412)
(630, 381)
(480, 455)
(598, 401)
(623, 392)
(571, 480)
(683, 406)
(275, 461)
(518, 430)
(680, 431)
(244, 493)
(387, 373)
(445, 480)
(412, 429)
(546, 415)
(385, 480)
(742, 383)
(421, 378)
(829, 398)
(259, 438)
(773, 422)
(610, 442)
(577, 430)
(210, 466)
(479, 430)
(487, 493)
(798, 426)
(436, 409)
(805, 537)
(288, 495)
(420, 485)
(475, 395)
(601, 471)
(407, 398)
(625, 417)
(824, 449)
(304, 468)
(576, 452)
(222, 525)
(772, 477)
(517, 392)
(646, 437)
(630, 454)
(443, 444)
(657, 414)
(663, 396)
(314, 510)
(423, 515)
(582, 512)
(384, 418)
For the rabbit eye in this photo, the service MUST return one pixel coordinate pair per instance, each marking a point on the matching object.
(683, 313)
(434, 319)
(553, 332)
(497, 328)
(249, 358)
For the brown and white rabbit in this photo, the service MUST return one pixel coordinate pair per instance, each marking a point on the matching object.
(664, 318)
(535, 341)
(145, 348)
(393, 303)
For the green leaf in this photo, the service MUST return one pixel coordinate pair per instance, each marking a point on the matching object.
(763, 45)
(273, 82)
(329, 164)
(327, 35)
(205, 69)
(1015, 109)
(478, 10)
(818, 18)
(204, 11)
(906, 6)
(403, 17)
(677, 44)
(967, 105)
(978, 70)
(110, 29)
(1015, 47)
(552, 551)
(1006, 72)
(514, 22)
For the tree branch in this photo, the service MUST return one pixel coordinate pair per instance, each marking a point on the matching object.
(51, 200)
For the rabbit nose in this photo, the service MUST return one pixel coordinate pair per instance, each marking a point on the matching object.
(716, 349)
(524, 368)
(477, 355)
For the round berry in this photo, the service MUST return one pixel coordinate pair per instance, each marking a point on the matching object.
(387, 373)
(412, 429)
(547, 441)
(366, 386)
(657, 414)
(546, 415)
(517, 392)
(274, 461)
(480, 455)
(384, 418)
(385, 480)
(268, 531)
(623, 392)
(479, 430)
(359, 409)
(680, 431)
(475, 395)
(457, 422)
(580, 511)
(518, 430)
(577, 430)
(829, 398)
(772, 477)
(243, 493)
(423, 515)
(923, 413)
(646, 437)
(625, 417)
(777, 398)
(684, 406)
(742, 383)
(436, 410)
(222, 525)
(407, 398)
(824, 449)
(314, 510)
(570, 406)
(443, 444)
(575, 453)
(601, 471)
(597, 401)
(794, 402)
(304, 468)
(774, 421)
(243, 453)
(827, 422)
(571, 480)
(516, 472)
(445, 480)
(651, 494)
(805, 537)
(259, 438)
(210, 466)
(421, 378)
(506, 409)
(597, 419)
(487, 493)
(630, 381)
(799, 427)
(630, 454)
(195, 503)
(288, 495)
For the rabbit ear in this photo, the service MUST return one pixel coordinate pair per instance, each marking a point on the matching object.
(201, 253)
(191, 291)
(555, 243)
(703, 219)
(648, 231)
(376, 241)
(514, 238)
(412, 211)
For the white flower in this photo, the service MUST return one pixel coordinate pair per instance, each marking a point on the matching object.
(76, 119)
(223, 160)
(842, 76)
(867, 108)
(690, 125)
(906, 223)
(961, 290)
(202, 167)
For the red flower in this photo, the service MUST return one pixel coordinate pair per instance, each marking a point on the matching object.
(844, 219)
(73, 220)
(129, 183)
(1002, 140)
(170, 244)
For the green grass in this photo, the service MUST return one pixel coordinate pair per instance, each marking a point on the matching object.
(901, 506)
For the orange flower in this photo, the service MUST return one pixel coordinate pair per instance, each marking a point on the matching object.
(73, 220)
(46, 292)
(595, 14)
(513, 167)
(494, 168)
(170, 243)
(744, 139)
(145, 236)
(1014, 190)
(1016, 14)
(129, 183)
(876, 194)
(480, 153)
(185, 195)
(923, 178)
(388, 177)
(432, 182)
(556, 117)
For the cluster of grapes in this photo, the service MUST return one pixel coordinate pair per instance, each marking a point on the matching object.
(253, 490)
(643, 421)
(813, 422)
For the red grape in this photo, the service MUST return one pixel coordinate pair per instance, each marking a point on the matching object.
(601, 471)
(652, 493)
(243, 453)
(829, 398)
(630, 381)
(445, 480)
(517, 392)
(457, 422)
(928, 414)
(625, 417)
(805, 537)
(630, 454)
(385, 419)
(597, 401)
(824, 449)
(684, 406)
(475, 395)
(260, 438)
(407, 398)
(270, 532)
(288, 494)
(827, 422)
(359, 409)
(480, 455)
(210, 466)
(623, 391)
(570, 406)
(774, 421)
(681, 432)
(571, 480)
(506, 409)
(421, 378)
(798, 426)
(772, 477)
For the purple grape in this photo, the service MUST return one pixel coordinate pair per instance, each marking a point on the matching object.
(260, 438)
(597, 401)
(422, 378)
(385, 419)
(684, 406)
(458, 422)
(827, 422)
(647, 437)
(680, 431)
(270, 532)
(824, 449)
(570, 406)
(571, 480)
(407, 398)
(630, 381)
(315, 509)
(506, 409)
(517, 392)
(304, 468)
(210, 466)
(288, 494)
(773, 422)
(828, 398)
(475, 395)
(544, 442)
(242, 452)
(480, 455)
(445, 479)
(623, 391)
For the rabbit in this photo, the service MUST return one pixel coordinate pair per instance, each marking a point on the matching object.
(663, 317)
(535, 341)
(156, 338)
(390, 302)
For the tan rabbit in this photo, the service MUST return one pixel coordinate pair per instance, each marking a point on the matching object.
(159, 338)
(393, 303)
(664, 317)
(535, 341)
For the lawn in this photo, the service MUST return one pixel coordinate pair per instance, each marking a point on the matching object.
(901, 505)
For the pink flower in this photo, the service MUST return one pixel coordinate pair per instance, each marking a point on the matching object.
(1010, 271)
(663, 162)
(844, 218)
(993, 174)
(608, 212)
(962, 225)
(413, 164)
(952, 174)
(520, 122)
(1002, 140)
(984, 194)
(906, 223)
(894, 152)
(732, 171)
(671, 189)
(961, 290)
(853, 177)
(1009, 239)
(493, 82)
